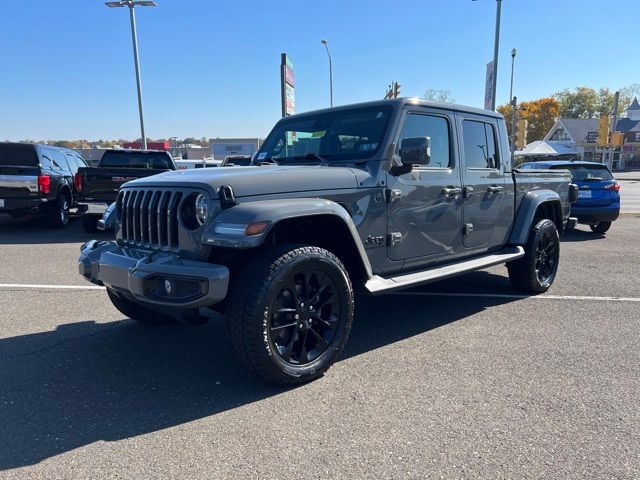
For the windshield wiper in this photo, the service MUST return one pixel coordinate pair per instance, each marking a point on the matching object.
(312, 156)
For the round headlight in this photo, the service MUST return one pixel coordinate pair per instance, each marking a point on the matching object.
(202, 209)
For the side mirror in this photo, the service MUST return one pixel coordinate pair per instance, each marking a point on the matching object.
(415, 151)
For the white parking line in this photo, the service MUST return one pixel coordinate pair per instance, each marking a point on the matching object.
(51, 287)
(424, 294)
(521, 297)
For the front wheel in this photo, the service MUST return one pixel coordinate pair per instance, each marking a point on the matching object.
(290, 313)
(600, 227)
(90, 223)
(536, 271)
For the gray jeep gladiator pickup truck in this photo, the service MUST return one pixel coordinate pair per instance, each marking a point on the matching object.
(372, 197)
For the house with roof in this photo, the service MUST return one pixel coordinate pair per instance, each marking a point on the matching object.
(568, 138)
(629, 124)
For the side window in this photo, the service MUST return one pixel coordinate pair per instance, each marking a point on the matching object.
(436, 129)
(59, 162)
(479, 141)
(73, 164)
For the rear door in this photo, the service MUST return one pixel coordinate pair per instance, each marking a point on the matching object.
(484, 182)
(19, 170)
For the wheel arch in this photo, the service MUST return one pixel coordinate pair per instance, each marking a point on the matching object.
(535, 206)
(312, 221)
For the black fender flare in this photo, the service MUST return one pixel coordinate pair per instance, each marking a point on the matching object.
(227, 229)
(526, 213)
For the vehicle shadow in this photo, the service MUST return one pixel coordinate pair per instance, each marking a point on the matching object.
(580, 235)
(86, 381)
(34, 231)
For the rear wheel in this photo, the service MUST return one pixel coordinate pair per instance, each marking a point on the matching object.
(536, 271)
(90, 223)
(600, 227)
(290, 312)
(137, 312)
(59, 216)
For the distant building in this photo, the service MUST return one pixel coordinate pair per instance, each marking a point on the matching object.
(223, 147)
(150, 145)
(629, 124)
(568, 138)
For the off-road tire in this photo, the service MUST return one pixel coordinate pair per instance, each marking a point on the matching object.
(59, 214)
(523, 272)
(250, 311)
(90, 223)
(600, 227)
(137, 312)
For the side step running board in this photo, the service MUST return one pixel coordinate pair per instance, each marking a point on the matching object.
(377, 284)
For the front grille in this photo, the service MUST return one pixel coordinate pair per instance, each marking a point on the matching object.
(149, 217)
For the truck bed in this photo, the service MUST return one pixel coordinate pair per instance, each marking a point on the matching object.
(101, 184)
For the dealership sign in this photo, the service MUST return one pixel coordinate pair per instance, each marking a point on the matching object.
(287, 85)
(226, 149)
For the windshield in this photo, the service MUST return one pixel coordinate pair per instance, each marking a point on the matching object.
(153, 160)
(332, 136)
(18, 154)
(587, 173)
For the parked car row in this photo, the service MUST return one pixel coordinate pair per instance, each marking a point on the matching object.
(48, 181)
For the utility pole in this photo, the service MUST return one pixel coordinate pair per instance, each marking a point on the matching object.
(614, 120)
(326, 46)
(512, 137)
(496, 48)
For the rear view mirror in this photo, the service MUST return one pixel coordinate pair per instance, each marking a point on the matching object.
(415, 151)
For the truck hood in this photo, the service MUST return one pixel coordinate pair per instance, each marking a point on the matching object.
(249, 181)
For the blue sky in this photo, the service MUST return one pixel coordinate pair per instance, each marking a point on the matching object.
(211, 68)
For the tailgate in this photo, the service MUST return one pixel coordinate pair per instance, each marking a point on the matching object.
(18, 181)
(103, 184)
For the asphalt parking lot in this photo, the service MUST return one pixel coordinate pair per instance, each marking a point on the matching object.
(462, 379)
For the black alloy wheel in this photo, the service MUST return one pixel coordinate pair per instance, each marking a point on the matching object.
(305, 316)
(546, 257)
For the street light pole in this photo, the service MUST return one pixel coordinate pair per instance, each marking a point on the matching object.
(134, 35)
(514, 104)
(326, 46)
(496, 47)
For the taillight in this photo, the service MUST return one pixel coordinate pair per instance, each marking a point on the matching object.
(44, 184)
(77, 182)
(615, 186)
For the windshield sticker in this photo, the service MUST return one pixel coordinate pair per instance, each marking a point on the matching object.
(365, 147)
(262, 156)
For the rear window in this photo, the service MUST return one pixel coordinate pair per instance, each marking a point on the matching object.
(136, 160)
(586, 173)
(20, 155)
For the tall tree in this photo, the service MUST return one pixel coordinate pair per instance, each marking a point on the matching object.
(540, 115)
(438, 95)
(582, 102)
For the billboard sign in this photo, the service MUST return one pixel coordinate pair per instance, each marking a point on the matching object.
(489, 94)
(222, 150)
(287, 85)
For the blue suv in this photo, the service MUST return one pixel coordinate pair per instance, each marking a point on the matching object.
(598, 201)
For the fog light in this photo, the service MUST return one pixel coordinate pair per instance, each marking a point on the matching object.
(169, 287)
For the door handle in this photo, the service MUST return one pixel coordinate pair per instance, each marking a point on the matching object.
(451, 191)
(494, 190)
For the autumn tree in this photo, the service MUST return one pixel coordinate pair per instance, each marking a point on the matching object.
(581, 102)
(540, 114)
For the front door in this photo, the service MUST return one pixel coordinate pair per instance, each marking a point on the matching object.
(484, 183)
(425, 204)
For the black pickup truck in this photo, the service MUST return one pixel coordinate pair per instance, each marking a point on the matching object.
(38, 180)
(98, 187)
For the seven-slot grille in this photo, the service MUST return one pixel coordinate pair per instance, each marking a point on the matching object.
(149, 217)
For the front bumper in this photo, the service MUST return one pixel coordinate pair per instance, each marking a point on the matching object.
(156, 278)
